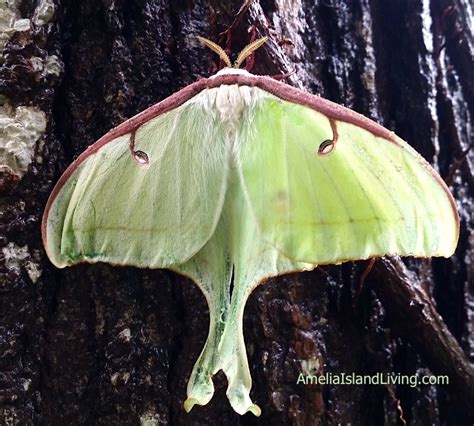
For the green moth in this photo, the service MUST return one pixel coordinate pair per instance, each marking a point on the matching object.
(237, 178)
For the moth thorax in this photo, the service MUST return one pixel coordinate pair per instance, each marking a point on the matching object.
(229, 102)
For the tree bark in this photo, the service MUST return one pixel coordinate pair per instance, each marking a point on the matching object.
(96, 344)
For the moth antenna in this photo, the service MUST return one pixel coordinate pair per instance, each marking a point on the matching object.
(248, 50)
(216, 49)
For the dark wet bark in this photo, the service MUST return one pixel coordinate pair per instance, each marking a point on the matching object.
(104, 345)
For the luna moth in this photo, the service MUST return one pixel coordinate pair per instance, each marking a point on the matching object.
(237, 178)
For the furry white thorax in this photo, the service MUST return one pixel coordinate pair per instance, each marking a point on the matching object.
(229, 101)
(225, 71)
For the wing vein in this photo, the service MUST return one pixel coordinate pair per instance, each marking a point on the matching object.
(326, 236)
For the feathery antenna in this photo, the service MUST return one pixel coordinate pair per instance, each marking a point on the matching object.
(215, 48)
(248, 50)
(243, 55)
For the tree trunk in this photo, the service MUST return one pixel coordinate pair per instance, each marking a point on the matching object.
(96, 344)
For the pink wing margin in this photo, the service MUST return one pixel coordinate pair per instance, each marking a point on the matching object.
(268, 84)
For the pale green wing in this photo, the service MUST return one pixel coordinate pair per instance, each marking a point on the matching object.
(236, 254)
(368, 197)
(152, 204)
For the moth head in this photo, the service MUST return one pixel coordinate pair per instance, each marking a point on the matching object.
(243, 55)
